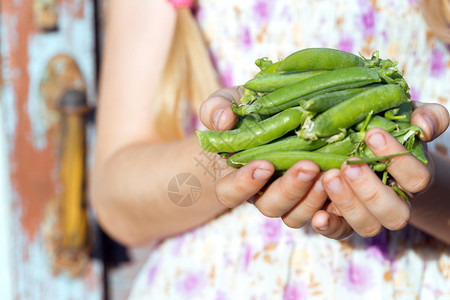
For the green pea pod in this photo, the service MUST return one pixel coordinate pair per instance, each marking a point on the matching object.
(319, 59)
(380, 167)
(377, 121)
(249, 120)
(325, 101)
(267, 83)
(401, 114)
(406, 109)
(419, 152)
(406, 131)
(263, 63)
(283, 160)
(248, 96)
(254, 135)
(354, 110)
(290, 143)
(270, 69)
(407, 136)
(289, 96)
(344, 147)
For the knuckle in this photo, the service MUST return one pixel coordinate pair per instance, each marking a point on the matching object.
(267, 212)
(290, 194)
(241, 187)
(225, 201)
(399, 222)
(369, 196)
(418, 183)
(292, 222)
(347, 207)
(341, 234)
(310, 206)
(371, 230)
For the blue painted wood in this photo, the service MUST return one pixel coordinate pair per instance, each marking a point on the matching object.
(26, 122)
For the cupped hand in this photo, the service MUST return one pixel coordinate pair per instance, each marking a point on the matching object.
(295, 197)
(360, 201)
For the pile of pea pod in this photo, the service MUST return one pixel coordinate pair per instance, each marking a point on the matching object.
(317, 104)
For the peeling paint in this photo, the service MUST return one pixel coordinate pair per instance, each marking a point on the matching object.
(5, 228)
(41, 48)
(30, 150)
(38, 280)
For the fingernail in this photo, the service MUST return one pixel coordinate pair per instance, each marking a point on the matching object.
(261, 174)
(335, 185)
(353, 172)
(216, 118)
(325, 225)
(431, 123)
(377, 141)
(305, 176)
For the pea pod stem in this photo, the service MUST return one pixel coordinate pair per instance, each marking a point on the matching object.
(400, 192)
(376, 158)
(366, 121)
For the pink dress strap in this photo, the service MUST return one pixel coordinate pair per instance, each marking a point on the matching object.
(181, 3)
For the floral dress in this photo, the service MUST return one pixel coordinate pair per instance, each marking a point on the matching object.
(244, 255)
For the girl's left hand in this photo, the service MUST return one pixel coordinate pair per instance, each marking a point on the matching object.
(360, 202)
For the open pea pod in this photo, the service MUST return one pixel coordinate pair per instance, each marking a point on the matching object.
(346, 146)
(377, 122)
(402, 113)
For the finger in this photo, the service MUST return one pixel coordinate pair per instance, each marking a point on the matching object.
(354, 212)
(216, 111)
(236, 187)
(432, 118)
(303, 211)
(288, 190)
(331, 208)
(408, 171)
(382, 201)
(331, 225)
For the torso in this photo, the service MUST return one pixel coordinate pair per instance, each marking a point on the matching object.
(244, 255)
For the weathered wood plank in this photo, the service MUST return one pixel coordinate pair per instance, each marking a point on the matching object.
(32, 149)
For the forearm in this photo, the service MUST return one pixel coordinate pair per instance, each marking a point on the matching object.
(131, 191)
(431, 210)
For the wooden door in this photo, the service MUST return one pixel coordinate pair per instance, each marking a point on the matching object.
(47, 49)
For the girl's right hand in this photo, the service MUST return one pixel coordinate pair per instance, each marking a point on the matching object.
(295, 197)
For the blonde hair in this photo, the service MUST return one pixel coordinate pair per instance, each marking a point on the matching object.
(188, 76)
(437, 15)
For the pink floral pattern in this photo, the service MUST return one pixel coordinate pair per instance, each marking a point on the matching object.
(244, 255)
